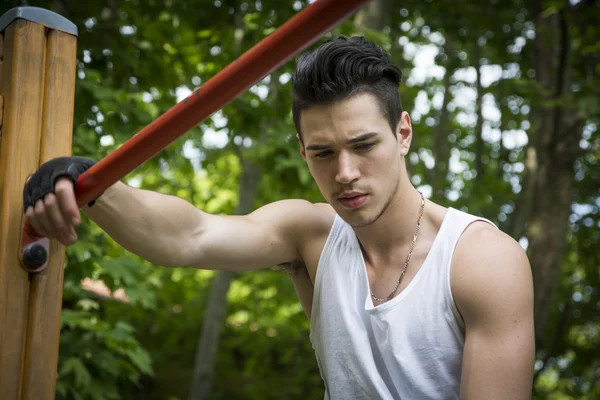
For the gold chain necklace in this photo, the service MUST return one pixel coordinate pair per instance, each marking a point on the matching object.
(412, 246)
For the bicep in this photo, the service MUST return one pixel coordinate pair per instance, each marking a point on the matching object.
(494, 293)
(264, 238)
(498, 364)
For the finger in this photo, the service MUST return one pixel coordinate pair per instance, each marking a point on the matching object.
(41, 218)
(37, 227)
(67, 202)
(60, 228)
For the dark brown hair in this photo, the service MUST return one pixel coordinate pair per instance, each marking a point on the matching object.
(341, 68)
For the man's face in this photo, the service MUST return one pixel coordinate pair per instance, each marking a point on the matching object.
(354, 157)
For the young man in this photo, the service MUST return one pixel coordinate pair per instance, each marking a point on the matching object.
(407, 299)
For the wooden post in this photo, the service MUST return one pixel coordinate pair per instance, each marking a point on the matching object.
(37, 86)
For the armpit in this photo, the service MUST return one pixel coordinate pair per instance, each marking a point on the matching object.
(293, 267)
(302, 283)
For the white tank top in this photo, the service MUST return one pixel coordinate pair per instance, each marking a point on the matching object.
(408, 348)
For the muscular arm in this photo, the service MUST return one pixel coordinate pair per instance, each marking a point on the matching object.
(493, 288)
(169, 231)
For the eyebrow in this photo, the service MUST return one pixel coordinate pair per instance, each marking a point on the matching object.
(354, 140)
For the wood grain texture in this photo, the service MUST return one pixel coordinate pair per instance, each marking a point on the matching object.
(46, 288)
(1, 101)
(22, 88)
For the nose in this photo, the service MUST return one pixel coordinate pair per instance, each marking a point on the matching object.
(347, 169)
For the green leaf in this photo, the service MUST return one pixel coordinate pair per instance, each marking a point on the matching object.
(141, 359)
(120, 270)
(77, 368)
(141, 296)
(87, 305)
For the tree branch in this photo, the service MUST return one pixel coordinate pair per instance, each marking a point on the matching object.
(479, 143)
(563, 52)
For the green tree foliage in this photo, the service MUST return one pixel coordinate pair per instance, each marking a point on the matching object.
(473, 123)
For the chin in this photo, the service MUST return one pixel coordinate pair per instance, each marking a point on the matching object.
(363, 216)
(360, 224)
(358, 218)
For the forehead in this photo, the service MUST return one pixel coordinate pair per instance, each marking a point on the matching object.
(342, 120)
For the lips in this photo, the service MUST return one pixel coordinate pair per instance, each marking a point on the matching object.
(352, 200)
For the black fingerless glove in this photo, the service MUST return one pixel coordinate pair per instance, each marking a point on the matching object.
(42, 182)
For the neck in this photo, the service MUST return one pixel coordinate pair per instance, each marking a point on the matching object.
(395, 228)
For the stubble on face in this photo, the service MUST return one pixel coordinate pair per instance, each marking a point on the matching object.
(359, 222)
(374, 172)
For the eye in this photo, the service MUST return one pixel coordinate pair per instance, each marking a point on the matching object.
(365, 146)
(323, 154)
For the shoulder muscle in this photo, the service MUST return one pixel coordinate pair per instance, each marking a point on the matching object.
(490, 273)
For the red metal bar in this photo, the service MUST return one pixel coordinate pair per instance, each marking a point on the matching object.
(277, 48)
(266, 56)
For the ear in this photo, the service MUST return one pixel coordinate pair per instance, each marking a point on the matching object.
(404, 133)
(302, 149)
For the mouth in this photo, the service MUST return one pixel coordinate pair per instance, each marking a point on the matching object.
(352, 201)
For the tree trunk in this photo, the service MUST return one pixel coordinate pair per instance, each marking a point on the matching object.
(479, 144)
(216, 309)
(552, 151)
(441, 147)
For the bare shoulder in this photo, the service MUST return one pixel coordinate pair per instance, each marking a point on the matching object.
(482, 241)
(296, 222)
(296, 216)
(490, 271)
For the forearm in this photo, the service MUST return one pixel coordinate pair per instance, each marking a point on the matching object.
(151, 225)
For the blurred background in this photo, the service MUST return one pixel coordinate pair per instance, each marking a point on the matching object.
(504, 98)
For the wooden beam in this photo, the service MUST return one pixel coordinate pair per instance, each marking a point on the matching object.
(37, 87)
(45, 292)
(22, 90)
